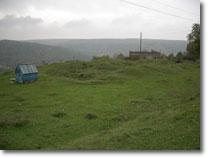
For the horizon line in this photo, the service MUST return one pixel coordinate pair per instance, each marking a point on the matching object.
(35, 39)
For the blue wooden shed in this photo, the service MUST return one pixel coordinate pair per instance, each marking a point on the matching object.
(26, 73)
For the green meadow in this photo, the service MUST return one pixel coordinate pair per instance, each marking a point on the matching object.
(103, 104)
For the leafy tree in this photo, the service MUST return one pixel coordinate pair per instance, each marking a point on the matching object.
(171, 56)
(193, 47)
(179, 57)
(120, 56)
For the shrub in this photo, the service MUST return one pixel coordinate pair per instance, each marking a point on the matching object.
(179, 57)
(171, 56)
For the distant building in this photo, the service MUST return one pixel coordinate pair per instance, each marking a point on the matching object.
(144, 55)
(26, 73)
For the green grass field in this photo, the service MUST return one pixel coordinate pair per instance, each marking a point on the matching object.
(103, 104)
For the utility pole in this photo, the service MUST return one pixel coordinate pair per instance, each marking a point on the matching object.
(140, 42)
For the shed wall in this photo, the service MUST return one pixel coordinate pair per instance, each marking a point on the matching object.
(29, 77)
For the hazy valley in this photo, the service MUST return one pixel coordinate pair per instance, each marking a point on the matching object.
(40, 52)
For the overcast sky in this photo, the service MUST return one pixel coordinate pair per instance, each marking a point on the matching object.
(40, 19)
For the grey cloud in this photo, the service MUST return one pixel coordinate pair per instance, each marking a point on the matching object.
(128, 20)
(11, 21)
(12, 4)
(101, 19)
(78, 23)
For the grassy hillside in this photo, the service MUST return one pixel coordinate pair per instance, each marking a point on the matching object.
(103, 104)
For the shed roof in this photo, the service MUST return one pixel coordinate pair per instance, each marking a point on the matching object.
(27, 68)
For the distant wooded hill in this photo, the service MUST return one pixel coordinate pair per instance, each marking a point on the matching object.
(14, 52)
(94, 47)
(54, 50)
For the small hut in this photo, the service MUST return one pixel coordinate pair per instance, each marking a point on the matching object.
(26, 73)
(144, 55)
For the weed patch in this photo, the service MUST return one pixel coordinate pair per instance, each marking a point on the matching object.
(121, 118)
(13, 122)
(18, 99)
(3, 94)
(90, 116)
(53, 94)
(3, 142)
(59, 114)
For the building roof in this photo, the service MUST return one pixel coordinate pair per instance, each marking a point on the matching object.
(144, 53)
(27, 68)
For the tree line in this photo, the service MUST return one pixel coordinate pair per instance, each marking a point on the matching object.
(193, 46)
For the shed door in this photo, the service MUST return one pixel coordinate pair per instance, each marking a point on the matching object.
(18, 75)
